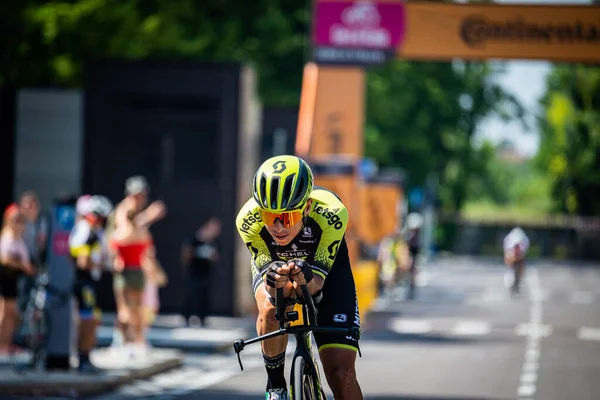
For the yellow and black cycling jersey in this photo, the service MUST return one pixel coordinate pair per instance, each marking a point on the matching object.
(317, 242)
(85, 241)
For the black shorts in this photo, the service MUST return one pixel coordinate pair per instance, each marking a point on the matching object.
(339, 306)
(85, 293)
(8, 283)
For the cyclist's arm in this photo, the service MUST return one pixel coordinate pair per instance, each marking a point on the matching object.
(334, 229)
(80, 248)
(249, 228)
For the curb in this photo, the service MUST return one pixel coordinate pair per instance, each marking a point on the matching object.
(73, 388)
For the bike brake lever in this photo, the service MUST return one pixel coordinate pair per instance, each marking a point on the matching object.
(238, 346)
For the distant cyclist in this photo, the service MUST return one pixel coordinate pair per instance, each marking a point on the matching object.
(393, 261)
(85, 244)
(515, 246)
(295, 235)
(412, 235)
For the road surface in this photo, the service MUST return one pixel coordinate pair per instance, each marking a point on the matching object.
(463, 338)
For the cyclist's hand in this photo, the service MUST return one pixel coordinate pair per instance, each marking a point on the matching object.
(28, 269)
(277, 274)
(300, 271)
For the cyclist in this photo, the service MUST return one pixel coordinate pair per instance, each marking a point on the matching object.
(295, 235)
(515, 246)
(85, 244)
(393, 261)
(414, 222)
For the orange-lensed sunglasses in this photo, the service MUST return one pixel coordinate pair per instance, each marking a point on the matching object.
(287, 218)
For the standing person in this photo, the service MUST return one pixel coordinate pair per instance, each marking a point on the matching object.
(135, 263)
(85, 245)
(295, 234)
(14, 260)
(137, 191)
(35, 237)
(199, 254)
(516, 244)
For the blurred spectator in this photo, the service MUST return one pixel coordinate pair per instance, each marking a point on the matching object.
(199, 253)
(36, 227)
(14, 260)
(85, 245)
(135, 265)
(134, 204)
(35, 237)
(516, 244)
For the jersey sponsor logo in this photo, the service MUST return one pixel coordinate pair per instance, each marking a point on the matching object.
(309, 241)
(341, 318)
(295, 252)
(331, 216)
(333, 248)
(307, 231)
(249, 220)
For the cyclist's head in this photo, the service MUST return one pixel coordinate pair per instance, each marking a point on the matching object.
(282, 183)
(282, 187)
(98, 209)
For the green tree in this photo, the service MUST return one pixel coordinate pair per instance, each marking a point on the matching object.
(56, 38)
(570, 138)
(422, 116)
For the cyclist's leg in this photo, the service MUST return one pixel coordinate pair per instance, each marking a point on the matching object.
(518, 267)
(273, 349)
(88, 321)
(339, 307)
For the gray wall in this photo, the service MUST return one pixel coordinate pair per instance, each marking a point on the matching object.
(48, 150)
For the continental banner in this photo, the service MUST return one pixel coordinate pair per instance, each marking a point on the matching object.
(559, 33)
(379, 211)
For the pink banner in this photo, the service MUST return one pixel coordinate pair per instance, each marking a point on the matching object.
(359, 25)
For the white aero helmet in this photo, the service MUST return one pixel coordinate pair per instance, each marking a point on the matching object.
(81, 207)
(414, 220)
(99, 205)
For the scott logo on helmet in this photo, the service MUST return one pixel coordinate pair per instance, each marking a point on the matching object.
(249, 220)
(332, 217)
(279, 167)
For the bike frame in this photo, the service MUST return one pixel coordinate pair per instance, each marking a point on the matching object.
(301, 332)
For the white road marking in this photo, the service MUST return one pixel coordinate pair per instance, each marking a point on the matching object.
(535, 331)
(410, 326)
(586, 333)
(471, 328)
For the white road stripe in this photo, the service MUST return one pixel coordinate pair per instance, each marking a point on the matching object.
(471, 328)
(526, 390)
(410, 326)
(586, 333)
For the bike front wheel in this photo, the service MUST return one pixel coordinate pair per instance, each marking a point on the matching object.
(305, 381)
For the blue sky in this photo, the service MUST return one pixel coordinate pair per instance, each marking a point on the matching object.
(527, 81)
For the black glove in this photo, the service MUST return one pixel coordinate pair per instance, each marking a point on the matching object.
(272, 271)
(305, 267)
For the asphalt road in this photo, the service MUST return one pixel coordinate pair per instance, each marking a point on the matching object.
(463, 338)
